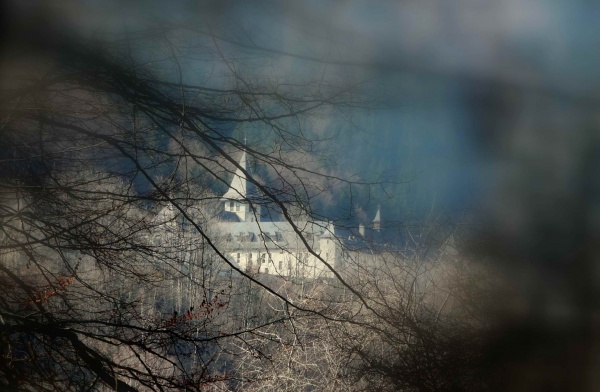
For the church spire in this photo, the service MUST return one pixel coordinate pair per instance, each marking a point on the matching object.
(377, 219)
(238, 188)
(237, 198)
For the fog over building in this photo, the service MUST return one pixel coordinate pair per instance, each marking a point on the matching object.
(303, 248)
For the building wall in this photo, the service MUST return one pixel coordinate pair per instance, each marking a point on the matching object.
(288, 263)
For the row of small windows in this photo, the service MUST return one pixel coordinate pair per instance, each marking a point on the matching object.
(263, 257)
(249, 266)
(252, 237)
(237, 206)
(301, 257)
(261, 266)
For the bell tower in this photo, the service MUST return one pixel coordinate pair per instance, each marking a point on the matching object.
(237, 199)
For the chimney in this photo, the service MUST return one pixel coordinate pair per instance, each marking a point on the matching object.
(361, 229)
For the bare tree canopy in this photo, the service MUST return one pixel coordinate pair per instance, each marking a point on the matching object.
(299, 196)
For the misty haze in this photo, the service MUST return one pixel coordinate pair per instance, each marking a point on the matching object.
(300, 196)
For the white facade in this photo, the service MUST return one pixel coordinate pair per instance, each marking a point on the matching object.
(275, 248)
(299, 249)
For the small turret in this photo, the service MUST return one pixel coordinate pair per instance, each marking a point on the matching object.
(377, 219)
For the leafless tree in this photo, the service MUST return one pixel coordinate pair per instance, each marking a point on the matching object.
(419, 325)
(112, 274)
(116, 143)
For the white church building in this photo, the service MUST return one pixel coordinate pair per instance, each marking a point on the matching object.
(307, 249)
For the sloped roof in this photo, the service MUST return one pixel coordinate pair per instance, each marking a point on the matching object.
(377, 215)
(391, 237)
(239, 187)
(279, 234)
(228, 216)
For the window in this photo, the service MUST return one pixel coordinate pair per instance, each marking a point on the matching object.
(237, 206)
(280, 264)
(263, 258)
(238, 257)
(250, 256)
(231, 205)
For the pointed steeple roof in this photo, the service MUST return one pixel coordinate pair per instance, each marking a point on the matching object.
(240, 188)
(377, 218)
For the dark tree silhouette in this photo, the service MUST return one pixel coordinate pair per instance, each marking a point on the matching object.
(98, 291)
(116, 145)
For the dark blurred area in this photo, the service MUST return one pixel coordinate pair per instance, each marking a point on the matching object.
(521, 79)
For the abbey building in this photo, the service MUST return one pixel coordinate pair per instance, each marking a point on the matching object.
(308, 249)
(303, 248)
